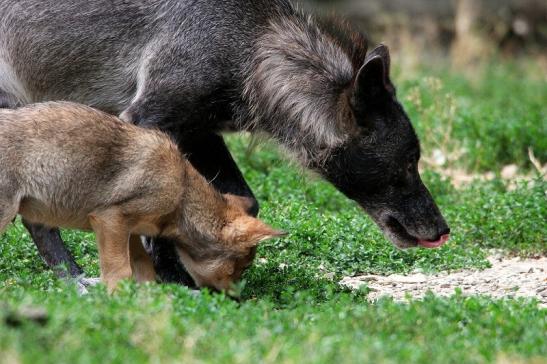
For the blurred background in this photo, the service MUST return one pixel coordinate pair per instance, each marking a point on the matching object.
(466, 30)
(472, 75)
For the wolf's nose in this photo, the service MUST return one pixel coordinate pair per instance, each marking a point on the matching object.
(444, 238)
(444, 235)
(445, 231)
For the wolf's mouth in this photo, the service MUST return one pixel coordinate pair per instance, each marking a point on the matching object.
(406, 240)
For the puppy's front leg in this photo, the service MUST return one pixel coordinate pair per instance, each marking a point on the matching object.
(141, 263)
(113, 242)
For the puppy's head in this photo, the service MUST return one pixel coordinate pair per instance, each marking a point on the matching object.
(221, 263)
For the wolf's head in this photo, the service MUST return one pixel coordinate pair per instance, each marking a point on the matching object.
(378, 165)
(314, 88)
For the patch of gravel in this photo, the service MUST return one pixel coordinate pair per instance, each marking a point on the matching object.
(508, 277)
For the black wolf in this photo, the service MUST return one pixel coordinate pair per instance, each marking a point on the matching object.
(195, 68)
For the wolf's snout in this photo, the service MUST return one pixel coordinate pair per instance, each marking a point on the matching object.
(404, 236)
(444, 232)
(435, 243)
(436, 240)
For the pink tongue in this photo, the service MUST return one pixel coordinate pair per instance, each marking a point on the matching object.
(434, 244)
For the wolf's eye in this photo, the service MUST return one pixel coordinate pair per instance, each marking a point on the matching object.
(410, 168)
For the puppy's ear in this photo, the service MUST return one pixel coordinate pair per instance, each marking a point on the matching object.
(247, 231)
(246, 203)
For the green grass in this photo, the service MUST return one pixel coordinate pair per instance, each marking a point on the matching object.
(292, 310)
(169, 325)
(489, 119)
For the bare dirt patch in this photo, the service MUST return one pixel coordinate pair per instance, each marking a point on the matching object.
(511, 174)
(508, 277)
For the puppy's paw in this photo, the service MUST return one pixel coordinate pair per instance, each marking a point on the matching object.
(84, 283)
(194, 292)
(90, 282)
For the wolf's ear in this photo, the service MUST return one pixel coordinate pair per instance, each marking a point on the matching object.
(372, 81)
(247, 231)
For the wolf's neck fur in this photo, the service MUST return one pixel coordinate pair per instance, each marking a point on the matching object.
(296, 89)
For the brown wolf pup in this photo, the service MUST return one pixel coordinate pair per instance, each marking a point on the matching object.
(68, 165)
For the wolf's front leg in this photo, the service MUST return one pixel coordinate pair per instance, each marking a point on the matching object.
(141, 263)
(112, 237)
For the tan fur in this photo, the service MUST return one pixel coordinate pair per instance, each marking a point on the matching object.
(68, 165)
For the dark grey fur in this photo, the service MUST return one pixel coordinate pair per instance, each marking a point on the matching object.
(198, 67)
